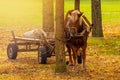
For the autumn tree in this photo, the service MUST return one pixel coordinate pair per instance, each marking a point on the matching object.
(59, 44)
(96, 19)
(48, 15)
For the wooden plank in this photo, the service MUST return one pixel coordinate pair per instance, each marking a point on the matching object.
(13, 35)
(27, 50)
(29, 43)
(31, 39)
(27, 39)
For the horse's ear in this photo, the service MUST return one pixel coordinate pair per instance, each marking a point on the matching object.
(69, 12)
(81, 13)
(92, 25)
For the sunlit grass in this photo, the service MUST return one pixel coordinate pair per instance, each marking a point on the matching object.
(30, 11)
(106, 45)
(110, 10)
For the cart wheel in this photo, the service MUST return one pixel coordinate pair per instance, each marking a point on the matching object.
(12, 50)
(42, 55)
(79, 59)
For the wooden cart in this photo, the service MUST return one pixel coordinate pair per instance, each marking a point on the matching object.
(45, 47)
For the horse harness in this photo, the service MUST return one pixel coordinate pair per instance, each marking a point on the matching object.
(73, 32)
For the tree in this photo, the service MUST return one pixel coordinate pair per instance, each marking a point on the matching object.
(77, 5)
(96, 19)
(59, 44)
(48, 16)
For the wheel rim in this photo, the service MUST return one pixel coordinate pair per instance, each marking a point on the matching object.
(39, 55)
(10, 51)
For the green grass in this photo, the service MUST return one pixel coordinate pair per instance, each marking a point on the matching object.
(30, 11)
(110, 10)
(105, 45)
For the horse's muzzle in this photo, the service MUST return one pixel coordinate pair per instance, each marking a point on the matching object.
(70, 32)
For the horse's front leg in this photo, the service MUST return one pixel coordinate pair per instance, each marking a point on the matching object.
(70, 56)
(74, 49)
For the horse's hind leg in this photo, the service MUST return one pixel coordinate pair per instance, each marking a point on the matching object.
(84, 58)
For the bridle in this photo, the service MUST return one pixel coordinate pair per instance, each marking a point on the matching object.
(68, 31)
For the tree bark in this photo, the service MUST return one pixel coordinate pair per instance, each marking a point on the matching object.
(96, 19)
(48, 16)
(77, 4)
(59, 44)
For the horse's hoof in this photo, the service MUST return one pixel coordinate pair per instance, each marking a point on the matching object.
(79, 59)
(84, 70)
(71, 64)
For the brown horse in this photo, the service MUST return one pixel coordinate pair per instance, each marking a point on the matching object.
(76, 33)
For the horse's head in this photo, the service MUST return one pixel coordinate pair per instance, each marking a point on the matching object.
(75, 15)
(74, 21)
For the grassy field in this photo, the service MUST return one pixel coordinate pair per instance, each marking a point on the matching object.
(110, 10)
(103, 54)
(22, 13)
(30, 12)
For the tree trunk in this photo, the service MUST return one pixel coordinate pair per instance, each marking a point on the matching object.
(59, 44)
(48, 16)
(77, 4)
(96, 19)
